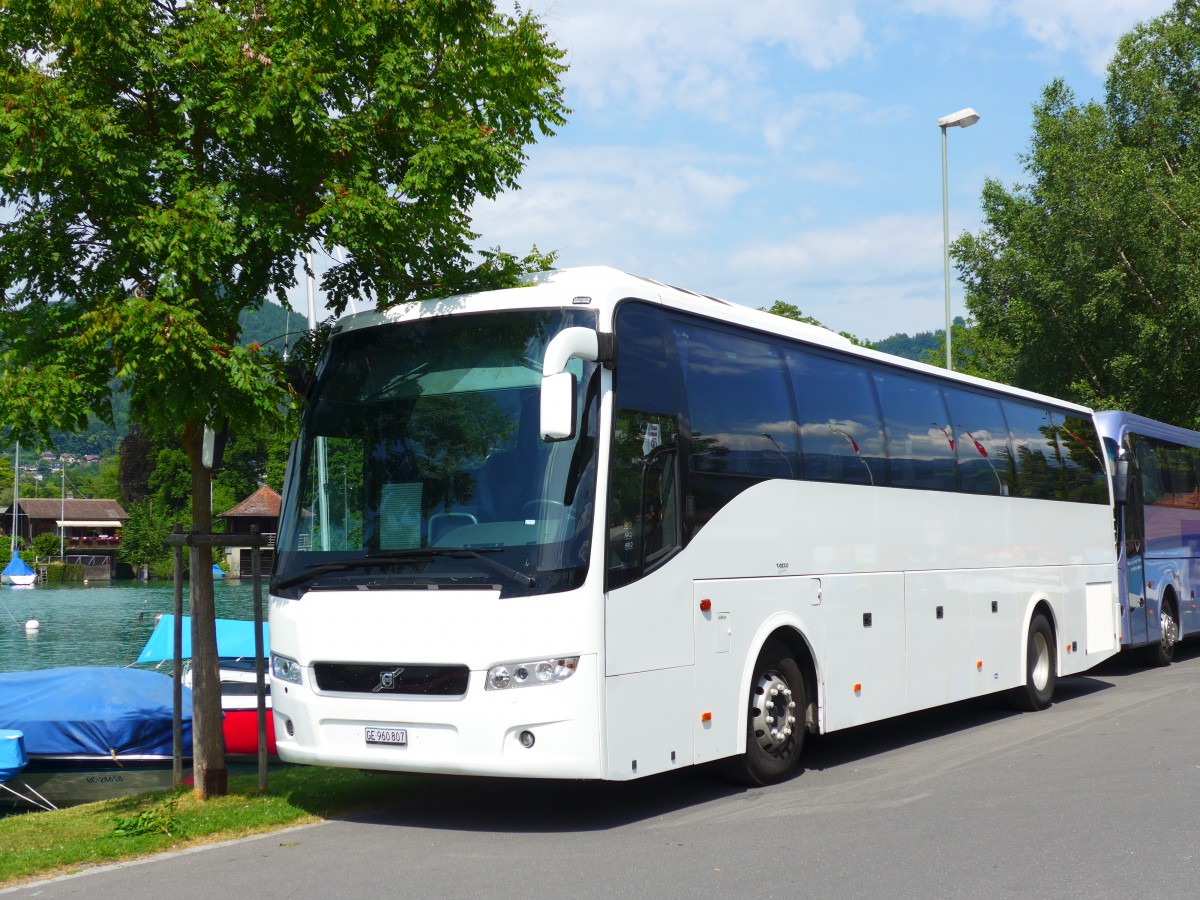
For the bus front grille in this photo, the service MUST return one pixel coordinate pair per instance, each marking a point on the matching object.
(391, 678)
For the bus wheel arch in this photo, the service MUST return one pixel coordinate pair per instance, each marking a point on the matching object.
(775, 711)
(1041, 662)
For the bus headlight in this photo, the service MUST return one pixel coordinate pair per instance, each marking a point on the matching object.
(531, 672)
(284, 668)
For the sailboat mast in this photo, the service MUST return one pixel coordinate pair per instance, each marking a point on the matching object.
(16, 492)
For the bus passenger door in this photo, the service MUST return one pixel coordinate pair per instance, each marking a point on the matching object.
(1133, 536)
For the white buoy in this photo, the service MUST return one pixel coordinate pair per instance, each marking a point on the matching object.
(33, 625)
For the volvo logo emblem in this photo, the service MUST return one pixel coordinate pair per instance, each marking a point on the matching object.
(387, 680)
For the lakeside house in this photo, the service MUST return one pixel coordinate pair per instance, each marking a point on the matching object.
(90, 529)
(262, 509)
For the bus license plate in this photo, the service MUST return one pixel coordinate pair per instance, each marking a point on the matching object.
(398, 736)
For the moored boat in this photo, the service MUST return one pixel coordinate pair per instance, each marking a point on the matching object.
(17, 572)
(93, 732)
(239, 686)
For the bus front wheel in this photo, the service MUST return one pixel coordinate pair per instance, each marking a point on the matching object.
(1162, 652)
(775, 720)
(1041, 667)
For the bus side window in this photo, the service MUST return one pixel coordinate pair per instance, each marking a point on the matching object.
(841, 433)
(985, 459)
(739, 406)
(920, 438)
(1084, 477)
(1032, 429)
(644, 505)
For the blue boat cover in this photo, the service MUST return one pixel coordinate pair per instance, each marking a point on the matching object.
(90, 710)
(235, 638)
(17, 566)
(12, 754)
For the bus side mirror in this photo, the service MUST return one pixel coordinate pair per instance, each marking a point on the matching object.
(558, 385)
(1121, 481)
(558, 407)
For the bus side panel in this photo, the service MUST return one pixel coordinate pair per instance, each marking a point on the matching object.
(937, 626)
(648, 624)
(648, 722)
(729, 635)
(862, 648)
(998, 604)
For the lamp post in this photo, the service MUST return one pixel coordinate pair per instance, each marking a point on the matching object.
(964, 118)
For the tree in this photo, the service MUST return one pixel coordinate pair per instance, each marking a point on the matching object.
(791, 311)
(1086, 280)
(166, 162)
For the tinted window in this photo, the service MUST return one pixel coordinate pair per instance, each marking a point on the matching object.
(1038, 464)
(1084, 479)
(920, 438)
(985, 459)
(840, 431)
(739, 407)
(644, 501)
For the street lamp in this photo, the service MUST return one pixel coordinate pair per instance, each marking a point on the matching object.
(964, 118)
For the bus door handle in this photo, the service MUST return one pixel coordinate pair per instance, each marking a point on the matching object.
(816, 595)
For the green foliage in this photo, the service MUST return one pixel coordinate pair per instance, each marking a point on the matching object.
(790, 311)
(168, 163)
(158, 819)
(44, 545)
(1085, 282)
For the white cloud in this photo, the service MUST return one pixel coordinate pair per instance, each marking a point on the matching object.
(1087, 29)
(698, 55)
(592, 200)
(863, 251)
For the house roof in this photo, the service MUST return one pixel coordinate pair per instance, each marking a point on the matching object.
(264, 503)
(72, 510)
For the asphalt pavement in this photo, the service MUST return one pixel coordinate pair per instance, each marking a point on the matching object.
(1097, 796)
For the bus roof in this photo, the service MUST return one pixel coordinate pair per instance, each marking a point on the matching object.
(602, 288)
(1116, 424)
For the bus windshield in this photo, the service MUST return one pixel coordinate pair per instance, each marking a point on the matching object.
(420, 463)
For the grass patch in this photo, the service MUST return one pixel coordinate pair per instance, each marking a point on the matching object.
(43, 844)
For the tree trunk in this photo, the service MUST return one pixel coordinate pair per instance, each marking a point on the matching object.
(208, 743)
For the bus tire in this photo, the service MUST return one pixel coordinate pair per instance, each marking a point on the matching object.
(774, 720)
(1041, 667)
(1162, 651)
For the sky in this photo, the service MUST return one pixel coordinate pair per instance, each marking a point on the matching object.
(789, 149)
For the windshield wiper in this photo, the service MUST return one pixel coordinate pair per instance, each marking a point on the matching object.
(373, 560)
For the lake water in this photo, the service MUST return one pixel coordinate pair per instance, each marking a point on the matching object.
(98, 625)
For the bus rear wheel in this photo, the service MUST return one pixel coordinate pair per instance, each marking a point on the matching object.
(1041, 667)
(775, 725)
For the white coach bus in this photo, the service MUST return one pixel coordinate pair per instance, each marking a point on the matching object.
(599, 527)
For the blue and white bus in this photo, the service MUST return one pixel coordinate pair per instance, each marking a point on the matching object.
(1158, 530)
(600, 527)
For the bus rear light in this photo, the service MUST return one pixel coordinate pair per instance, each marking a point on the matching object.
(705, 605)
(529, 673)
(706, 717)
(858, 689)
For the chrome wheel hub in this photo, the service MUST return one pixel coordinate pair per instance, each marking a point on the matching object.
(1170, 631)
(1040, 672)
(774, 713)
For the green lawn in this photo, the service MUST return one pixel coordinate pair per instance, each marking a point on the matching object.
(43, 844)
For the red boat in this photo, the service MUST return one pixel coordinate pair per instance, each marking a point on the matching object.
(239, 703)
